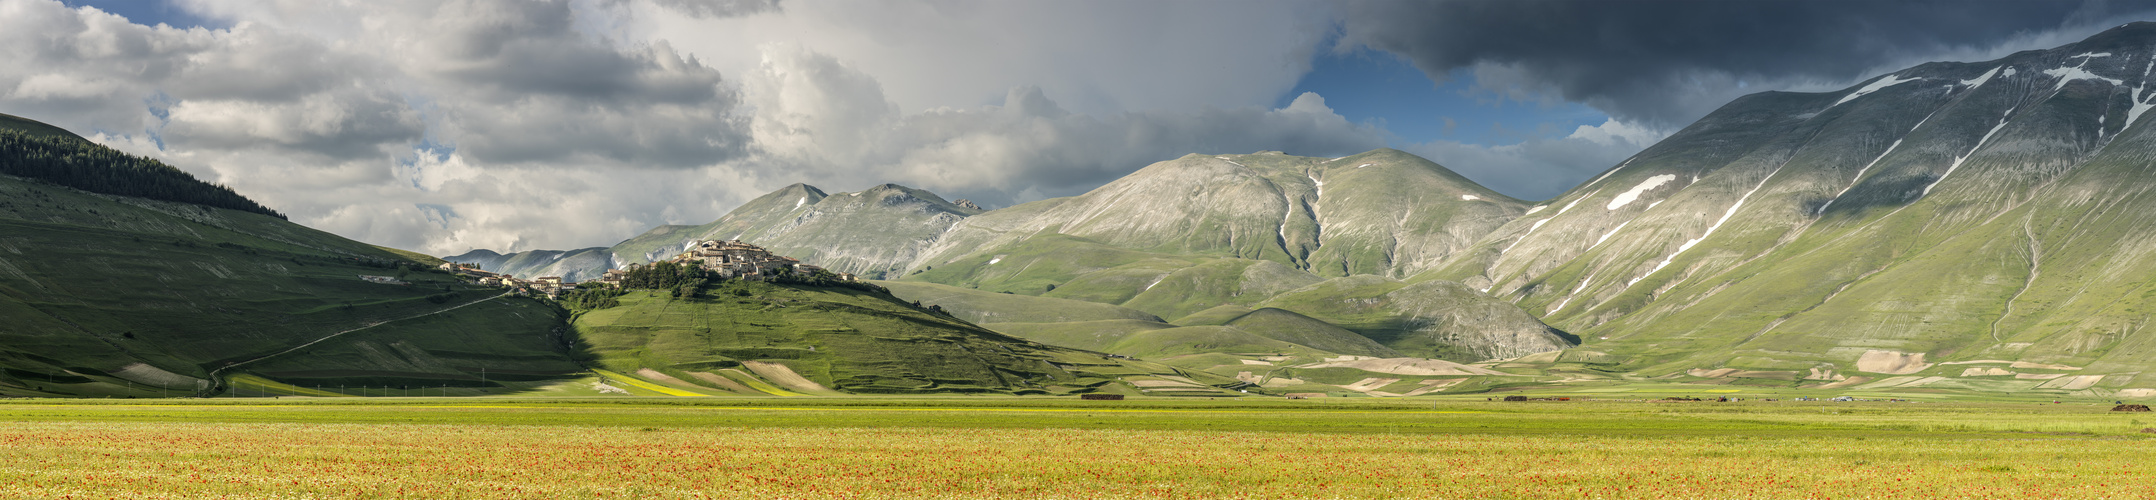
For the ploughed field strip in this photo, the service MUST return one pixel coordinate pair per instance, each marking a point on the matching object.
(1034, 448)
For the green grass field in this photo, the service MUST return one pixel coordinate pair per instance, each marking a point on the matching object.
(1005, 447)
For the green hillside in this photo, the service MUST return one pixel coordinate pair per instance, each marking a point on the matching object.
(123, 296)
(990, 307)
(1382, 212)
(1947, 227)
(115, 296)
(761, 338)
(34, 128)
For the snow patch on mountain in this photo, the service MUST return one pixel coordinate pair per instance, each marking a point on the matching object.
(1536, 208)
(1965, 156)
(1710, 229)
(1568, 206)
(1523, 236)
(1606, 175)
(1539, 223)
(1981, 79)
(2134, 114)
(1881, 83)
(1882, 155)
(1606, 236)
(2068, 74)
(1627, 197)
(1469, 197)
(1288, 214)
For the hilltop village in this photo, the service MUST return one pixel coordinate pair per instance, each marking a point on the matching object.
(730, 259)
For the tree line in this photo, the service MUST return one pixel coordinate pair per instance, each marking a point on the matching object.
(79, 164)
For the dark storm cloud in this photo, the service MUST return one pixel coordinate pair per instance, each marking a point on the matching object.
(1669, 62)
(521, 49)
(537, 90)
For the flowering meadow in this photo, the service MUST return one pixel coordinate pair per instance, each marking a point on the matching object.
(416, 452)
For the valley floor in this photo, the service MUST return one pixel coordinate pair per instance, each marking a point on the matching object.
(999, 447)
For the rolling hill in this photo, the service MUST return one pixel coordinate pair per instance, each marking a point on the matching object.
(754, 338)
(125, 296)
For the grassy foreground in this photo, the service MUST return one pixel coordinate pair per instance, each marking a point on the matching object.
(986, 447)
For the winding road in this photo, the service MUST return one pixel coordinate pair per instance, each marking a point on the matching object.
(217, 376)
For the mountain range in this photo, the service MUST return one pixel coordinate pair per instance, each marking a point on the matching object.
(1967, 226)
(1952, 226)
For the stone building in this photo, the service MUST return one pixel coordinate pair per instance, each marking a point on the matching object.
(737, 260)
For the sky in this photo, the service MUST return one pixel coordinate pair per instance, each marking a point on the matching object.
(448, 125)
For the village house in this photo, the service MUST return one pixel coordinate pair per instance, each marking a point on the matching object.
(737, 260)
(614, 276)
(466, 270)
(730, 259)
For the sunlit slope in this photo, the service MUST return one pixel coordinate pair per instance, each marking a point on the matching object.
(33, 127)
(1204, 231)
(1378, 316)
(1383, 212)
(836, 339)
(1992, 215)
(1434, 319)
(119, 296)
(989, 307)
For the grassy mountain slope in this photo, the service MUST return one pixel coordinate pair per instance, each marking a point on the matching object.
(1265, 206)
(1287, 351)
(1193, 234)
(1949, 226)
(34, 128)
(990, 307)
(122, 296)
(838, 339)
(1431, 319)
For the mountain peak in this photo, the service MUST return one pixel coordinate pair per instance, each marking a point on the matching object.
(1962, 210)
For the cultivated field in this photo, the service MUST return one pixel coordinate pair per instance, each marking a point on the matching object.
(1061, 448)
